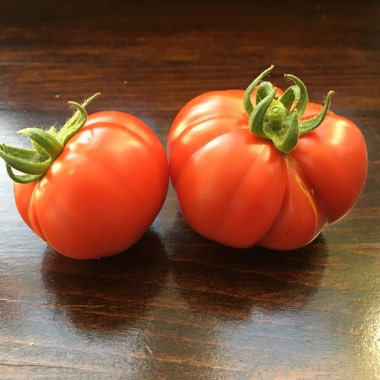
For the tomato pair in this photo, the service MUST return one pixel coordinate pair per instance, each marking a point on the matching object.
(272, 173)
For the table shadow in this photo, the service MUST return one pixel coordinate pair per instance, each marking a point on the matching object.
(109, 293)
(232, 283)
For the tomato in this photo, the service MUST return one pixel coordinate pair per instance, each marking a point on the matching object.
(102, 192)
(274, 174)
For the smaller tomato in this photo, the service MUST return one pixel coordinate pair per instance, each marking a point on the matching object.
(92, 188)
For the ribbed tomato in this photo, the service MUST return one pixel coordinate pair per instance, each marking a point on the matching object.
(273, 174)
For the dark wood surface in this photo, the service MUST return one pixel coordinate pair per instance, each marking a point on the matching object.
(177, 306)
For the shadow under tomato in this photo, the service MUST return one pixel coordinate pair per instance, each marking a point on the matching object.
(107, 294)
(231, 283)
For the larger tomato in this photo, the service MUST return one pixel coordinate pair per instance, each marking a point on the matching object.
(273, 174)
(103, 190)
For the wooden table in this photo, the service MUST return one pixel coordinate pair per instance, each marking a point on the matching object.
(177, 306)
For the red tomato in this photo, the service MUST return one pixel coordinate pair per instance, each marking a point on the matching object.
(238, 189)
(102, 192)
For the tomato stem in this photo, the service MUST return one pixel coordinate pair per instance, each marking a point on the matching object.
(280, 120)
(48, 145)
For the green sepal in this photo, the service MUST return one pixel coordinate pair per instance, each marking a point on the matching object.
(48, 142)
(40, 151)
(27, 154)
(264, 89)
(280, 120)
(22, 178)
(287, 139)
(247, 95)
(308, 125)
(23, 165)
(303, 98)
(48, 145)
(289, 97)
(257, 118)
(76, 122)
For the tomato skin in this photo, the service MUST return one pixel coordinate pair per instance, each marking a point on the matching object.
(103, 192)
(238, 189)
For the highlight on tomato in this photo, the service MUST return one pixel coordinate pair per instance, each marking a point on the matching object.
(264, 166)
(92, 188)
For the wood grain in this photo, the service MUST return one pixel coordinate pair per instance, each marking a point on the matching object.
(177, 306)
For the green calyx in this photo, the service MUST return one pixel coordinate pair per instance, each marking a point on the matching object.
(280, 119)
(32, 164)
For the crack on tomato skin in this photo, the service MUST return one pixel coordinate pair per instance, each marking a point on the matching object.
(299, 197)
(312, 195)
(307, 185)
